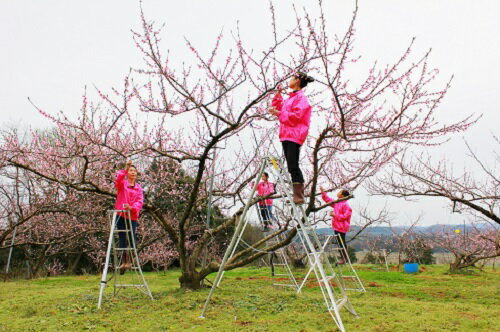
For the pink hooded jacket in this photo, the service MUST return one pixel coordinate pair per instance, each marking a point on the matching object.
(294, 116)
(126, 194)
(264, 189)
(343, 212)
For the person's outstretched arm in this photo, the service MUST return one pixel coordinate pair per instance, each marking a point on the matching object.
(324, 195)
(120, 176)
(278, 101)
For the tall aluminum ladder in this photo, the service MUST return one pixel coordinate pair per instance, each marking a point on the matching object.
(141, 284)
(281, 273)
(332, 250)
(381, 260)
(331, 285)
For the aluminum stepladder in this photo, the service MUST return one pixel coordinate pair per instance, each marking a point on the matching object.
(382, 254)
(280, 268)
(113, 250)
(351, 281)
(334, 299)
(277, 259)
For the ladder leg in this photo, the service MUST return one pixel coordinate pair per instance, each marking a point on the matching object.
(238, 233)
(115, 262)
(106, 264)
(313, 265)
(310, 246)
(135, 257)
(305, 278)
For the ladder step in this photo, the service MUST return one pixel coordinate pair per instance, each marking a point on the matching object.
(284, 285)
(328, 278)
(124, 249)
(340, 303)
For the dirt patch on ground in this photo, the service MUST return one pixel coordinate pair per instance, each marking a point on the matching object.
(242, 323)
(256, 278)
(468, 315)
(316, 284)
(374, 284)
(398, 295)
(425, 277)
(261, 278)
(434, 292)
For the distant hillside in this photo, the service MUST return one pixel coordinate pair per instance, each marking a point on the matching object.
(387, 231)
(384, 238)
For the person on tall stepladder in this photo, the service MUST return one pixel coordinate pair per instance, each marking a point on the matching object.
(129, 197)
(341, 217)
(266, 188)
(294, 115)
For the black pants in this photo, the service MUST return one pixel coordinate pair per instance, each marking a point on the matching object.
(124, 239)
(266, 214)
(292, 154)
(342, 236)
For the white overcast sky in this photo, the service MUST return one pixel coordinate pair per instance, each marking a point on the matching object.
(52, 49)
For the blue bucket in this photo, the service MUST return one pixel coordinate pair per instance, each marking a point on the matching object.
(411, 268)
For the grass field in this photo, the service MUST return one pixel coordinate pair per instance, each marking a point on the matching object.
(429, 301)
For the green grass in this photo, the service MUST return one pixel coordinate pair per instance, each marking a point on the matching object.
(430, 301)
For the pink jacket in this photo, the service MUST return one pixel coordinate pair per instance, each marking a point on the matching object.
(126, 194)
(264, 189)
(294, 116)
(343, 213)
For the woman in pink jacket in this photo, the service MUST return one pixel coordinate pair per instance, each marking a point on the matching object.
(294, 115)
(265, 188)
(129, 197)
(341, 216)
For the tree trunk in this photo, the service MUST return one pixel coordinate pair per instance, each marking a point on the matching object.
(74, 264)
(461, 262)
(190, 280)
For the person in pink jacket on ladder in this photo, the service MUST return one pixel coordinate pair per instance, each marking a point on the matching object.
(129, 197)
(341, 217)
(265, 188)
(294, 115)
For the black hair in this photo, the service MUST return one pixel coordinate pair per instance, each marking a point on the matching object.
(304, 79)
(265, 173)
(136, 170)
(345, 192)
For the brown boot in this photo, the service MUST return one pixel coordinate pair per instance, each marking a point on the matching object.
(298, 193)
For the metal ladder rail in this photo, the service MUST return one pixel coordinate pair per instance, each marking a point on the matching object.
(311, 268)
(361, 287)
(280, 253)
(132, 249)
(238, 232)
(112, 250)
(332, 305)
(286, 183)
